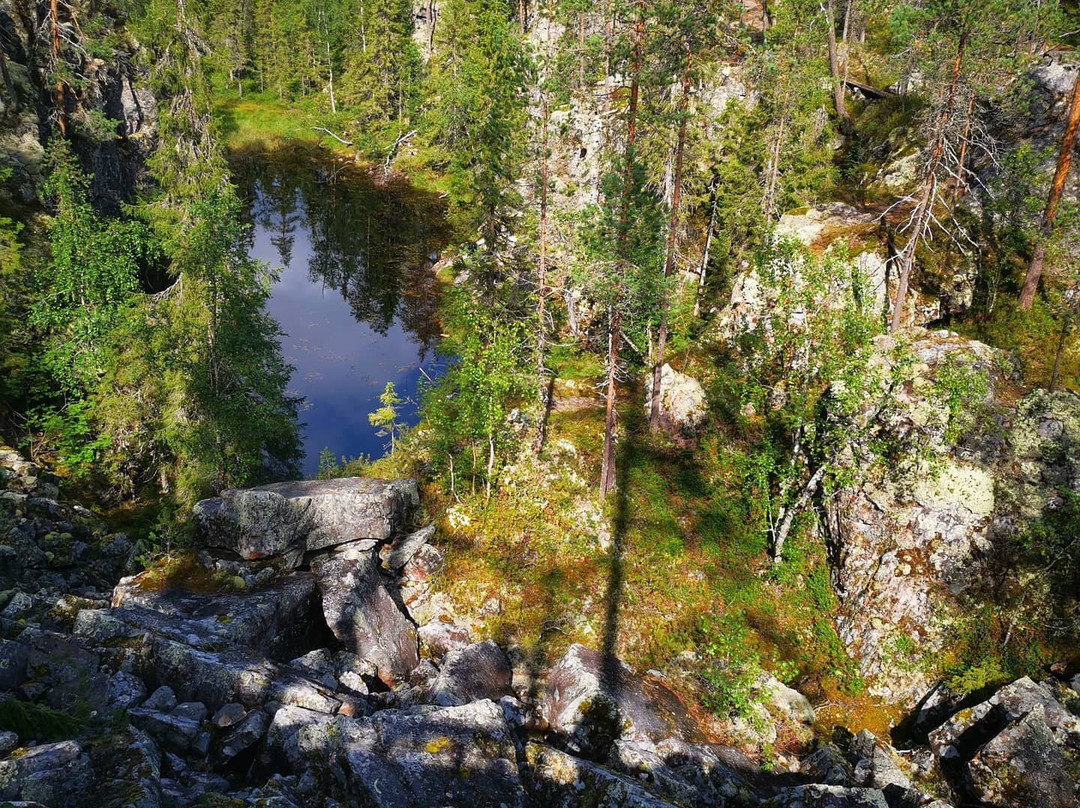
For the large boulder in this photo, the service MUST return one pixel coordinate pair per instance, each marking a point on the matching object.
(362, 612)
(688, 773)
(278, 620)
(959, 736)
(53, 774)
(127, 770)
(593, 700)
(1018, 748)
(825, 796)
(1023, 765)
(399, 552)
(479, 671)
(289, 519)
(559, 780)
(684, 408)
(449, 756)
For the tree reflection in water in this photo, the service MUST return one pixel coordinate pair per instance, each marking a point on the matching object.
(332, 226)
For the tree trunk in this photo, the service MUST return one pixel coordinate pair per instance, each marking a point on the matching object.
(581, 51)
(607, 469)
(768, 201)
(363, 30)
(609, 14)
(849, 8)
(541, 290)
(490, 467)
(669, 258)
(834, 69)
(921, 217)
(54, 19)
(782, 531)
(330, 67)
(1061, 174)
(958, 189)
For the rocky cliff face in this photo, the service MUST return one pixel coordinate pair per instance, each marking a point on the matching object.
(305, 684)
(111, 114)
(908, 544)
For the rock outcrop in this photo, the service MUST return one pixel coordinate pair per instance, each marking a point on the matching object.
(907, 542)
(931, 296)
(361, 611)
(1019, 747)
(592, 701)
(110, 108)
(221, 682)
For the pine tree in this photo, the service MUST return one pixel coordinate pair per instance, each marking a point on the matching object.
(1057, 186)
(689, 28)
(195, 386)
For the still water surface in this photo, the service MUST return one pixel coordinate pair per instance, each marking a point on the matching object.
(356, 297)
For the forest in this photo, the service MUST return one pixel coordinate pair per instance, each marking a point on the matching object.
(711, 367)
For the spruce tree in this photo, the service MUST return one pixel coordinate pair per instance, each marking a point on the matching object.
(477, 84)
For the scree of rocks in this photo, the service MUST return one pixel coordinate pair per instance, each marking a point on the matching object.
(303, 660)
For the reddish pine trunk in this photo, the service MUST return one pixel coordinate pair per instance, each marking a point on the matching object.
(54, 18)
(1068, 141)
(669, 259)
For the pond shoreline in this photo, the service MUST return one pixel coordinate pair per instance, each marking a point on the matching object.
(356, 295)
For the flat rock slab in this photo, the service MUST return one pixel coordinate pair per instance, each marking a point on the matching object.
(198, 668)
(278, 620)
(364, 616)
(451, 756)
(288, 519)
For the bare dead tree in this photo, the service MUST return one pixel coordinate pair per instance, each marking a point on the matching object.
(922, 215)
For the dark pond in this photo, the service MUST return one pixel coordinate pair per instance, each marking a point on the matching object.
(356, 297)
